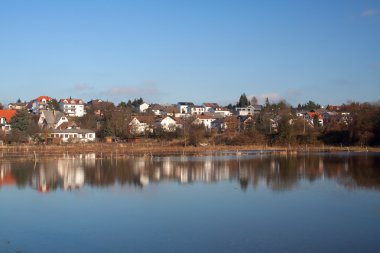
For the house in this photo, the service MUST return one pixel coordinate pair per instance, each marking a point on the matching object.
(249, 110)
(40, 103)
(141, 124)
(51, 119)
(183, 107)
(167, 124)
(6, 119)
(174, 111)
(224, 112)
(309, 117)
(72, 107)
(158, 110)
(18, 106)
(206, 120)
(196, 110)
(143, 107)
(74, 135)
(211, 107)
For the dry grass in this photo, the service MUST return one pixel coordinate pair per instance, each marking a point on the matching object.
(115, 150)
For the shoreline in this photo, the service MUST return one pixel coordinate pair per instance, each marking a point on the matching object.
(125, 150)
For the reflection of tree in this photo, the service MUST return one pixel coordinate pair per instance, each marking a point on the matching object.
(277, 172)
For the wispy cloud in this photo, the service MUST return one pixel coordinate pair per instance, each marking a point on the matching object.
(83, 87)
(369, 12)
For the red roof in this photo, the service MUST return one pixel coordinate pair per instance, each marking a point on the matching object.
(7, 114)
(8, 179)
(40, 98)
(312, 114)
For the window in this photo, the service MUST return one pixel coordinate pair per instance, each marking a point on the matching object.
(66, 136)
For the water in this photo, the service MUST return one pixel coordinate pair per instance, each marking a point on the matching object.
(249, 203)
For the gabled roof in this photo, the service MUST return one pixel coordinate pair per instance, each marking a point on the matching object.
(73, 101)
(52, 117)
(212, 105)
(8, 115)
(40, 98)
(148, 119)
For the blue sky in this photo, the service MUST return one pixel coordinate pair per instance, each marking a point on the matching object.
(169, 51)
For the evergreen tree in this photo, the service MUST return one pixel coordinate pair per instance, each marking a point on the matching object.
(243, 101)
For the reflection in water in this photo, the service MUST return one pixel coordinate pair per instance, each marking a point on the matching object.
(276, 172)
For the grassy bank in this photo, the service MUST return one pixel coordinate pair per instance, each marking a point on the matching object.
(116, 150)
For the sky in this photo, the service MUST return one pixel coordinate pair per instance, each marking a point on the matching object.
(196, 50)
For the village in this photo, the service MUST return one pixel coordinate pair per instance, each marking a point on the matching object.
(71, 120)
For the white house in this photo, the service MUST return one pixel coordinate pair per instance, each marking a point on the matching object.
(141, 124)
(167, 124)
(143, 107)
(196, 110)
(205, 120)
(74, 135)
(72, 107)
(51, 119)
(210, 107)
(183, 107)
(224, 112)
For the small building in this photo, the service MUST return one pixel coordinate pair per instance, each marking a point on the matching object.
(72, 135)
(72, 107)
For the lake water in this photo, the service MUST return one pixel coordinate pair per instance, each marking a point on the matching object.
(248, 203)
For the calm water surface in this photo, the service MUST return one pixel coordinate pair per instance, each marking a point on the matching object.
(253, 203)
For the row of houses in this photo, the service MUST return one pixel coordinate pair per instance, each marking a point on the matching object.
(147, 118)
(71, 107)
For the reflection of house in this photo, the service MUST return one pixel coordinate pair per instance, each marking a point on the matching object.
(6, 119)
(51, 119)
(6, 178)
(71, 172)
(72, 107)
(74, 135)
